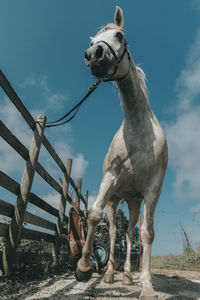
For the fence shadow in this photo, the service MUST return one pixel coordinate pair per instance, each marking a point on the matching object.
(179, 288)
(66, 287)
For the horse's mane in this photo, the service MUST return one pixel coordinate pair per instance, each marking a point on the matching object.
(143, 80)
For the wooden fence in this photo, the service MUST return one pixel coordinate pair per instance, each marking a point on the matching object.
(15, 231)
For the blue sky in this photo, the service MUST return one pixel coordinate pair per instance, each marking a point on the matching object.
(41, 53)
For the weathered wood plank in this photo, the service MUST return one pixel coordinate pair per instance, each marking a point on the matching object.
(29, 234)
(21, 149)
(61, 215)
(86, 207)
(48, 178)
(4, 229)
(13, 141)
(5, 84)
(7, 210)
(64, 195)
(8, 183)
(31, 122)
(79, 185)
(35, 200)
(59, 162)
(11, 185)
(22, 199)
(38, 221)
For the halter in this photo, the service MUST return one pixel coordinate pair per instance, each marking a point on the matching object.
(94, 86)
(118, 60)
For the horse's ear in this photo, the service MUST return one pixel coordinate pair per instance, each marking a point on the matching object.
(119, 17)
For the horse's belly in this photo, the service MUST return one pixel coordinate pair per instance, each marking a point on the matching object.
(125, 179)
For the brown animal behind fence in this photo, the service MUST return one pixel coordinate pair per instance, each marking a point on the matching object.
(15, 231)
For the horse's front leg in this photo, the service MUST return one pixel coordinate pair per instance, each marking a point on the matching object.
(111, 208)
(150, 201)
(84, 266)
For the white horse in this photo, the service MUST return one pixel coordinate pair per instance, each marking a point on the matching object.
(135, 164)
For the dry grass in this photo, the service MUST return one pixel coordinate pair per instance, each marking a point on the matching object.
(187, 261)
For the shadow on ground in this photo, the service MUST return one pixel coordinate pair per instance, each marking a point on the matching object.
(179, 288)
(66, 287)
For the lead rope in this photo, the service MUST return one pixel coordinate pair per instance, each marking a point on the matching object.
(75, 108)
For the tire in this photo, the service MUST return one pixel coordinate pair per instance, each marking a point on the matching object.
(101, 253)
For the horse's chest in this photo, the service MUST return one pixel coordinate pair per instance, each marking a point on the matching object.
(131, 175)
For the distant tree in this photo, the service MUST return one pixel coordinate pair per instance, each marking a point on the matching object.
(122, 225)
(102, 231)
(187, 248)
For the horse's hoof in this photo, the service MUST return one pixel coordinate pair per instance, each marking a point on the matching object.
(148, 297)
(109, 278)
(127, 279)
(83, 276)
(148, 294)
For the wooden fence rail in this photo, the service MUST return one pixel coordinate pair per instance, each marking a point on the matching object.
(15, 231)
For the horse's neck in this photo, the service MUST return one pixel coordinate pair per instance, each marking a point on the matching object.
(134, 100)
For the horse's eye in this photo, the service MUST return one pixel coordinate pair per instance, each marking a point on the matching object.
(119, 35)
(91, 44)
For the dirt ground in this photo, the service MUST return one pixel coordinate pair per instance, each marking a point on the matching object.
(171, 285)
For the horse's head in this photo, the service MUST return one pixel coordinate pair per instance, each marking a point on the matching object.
(107, 56)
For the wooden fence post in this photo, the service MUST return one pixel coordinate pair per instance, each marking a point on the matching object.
(86, 204)
(79, 185)
(60, 220)
(16, 225)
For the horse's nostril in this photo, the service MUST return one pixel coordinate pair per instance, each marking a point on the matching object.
(87, 55)
(99, 52)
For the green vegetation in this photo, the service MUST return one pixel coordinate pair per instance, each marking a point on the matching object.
(102, 231)
(190, 260)
(34, 259)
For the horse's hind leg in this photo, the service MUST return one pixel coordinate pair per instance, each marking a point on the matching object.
(111, 208)
(84, 266)
(134, 210)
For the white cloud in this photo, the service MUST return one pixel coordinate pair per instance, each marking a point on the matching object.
(183, 135)
(196, 4)
(79, 164)
(52, 198)
(91, 199)
(184, 148)
(188, 87)
(195, 210)
(11, 162)
(53, 100)
(13, 119)
(32, 80)
(56, 99)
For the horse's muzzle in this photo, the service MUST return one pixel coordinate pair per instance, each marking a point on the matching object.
(98, 70)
